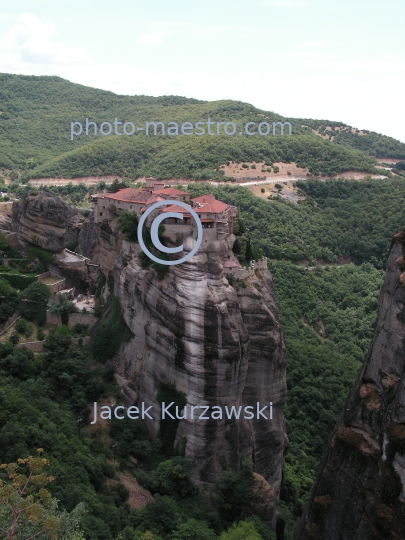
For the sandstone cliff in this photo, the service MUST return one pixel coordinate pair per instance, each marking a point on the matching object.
(220, 346)
(359, 492)
(100, 243)
(46, 221)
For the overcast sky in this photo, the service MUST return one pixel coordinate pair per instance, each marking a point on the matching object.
(341, 60)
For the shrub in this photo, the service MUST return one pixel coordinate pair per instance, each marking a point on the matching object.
(40, 335)
(21, 326)
(161, 270)
(20, 282)
(14, 337)
(82, 329)
(34, 302)
(128, 224)
(262, 190)
(144, 260)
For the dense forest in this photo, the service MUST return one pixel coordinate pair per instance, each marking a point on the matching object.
(337, 218)
(36, 113)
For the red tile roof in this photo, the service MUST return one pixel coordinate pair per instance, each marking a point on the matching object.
(176, 208)
(133, 195)
(208, 204)
(214, 207)
(204, 199)
(231, 264)
(169, 191)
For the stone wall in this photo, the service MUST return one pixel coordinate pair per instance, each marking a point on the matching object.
(80, 318)
(71, 259)
(242, 273)
(173, 232)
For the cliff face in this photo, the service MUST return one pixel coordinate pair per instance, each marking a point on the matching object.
(100, 243)
(46, 222)
(359, 492)
(221, 346)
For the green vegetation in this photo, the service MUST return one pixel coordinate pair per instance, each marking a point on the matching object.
(8, 300)
(128, 224)
(337, 218)
(110, 333)
(41, 398)
(35, 141)
(373, 143)
(27, 509)
(34, 302)
(17, 281)
(327, 317)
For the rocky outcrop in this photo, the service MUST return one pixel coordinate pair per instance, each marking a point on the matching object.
(100, 243)
(359, 492)
(6, 223)
(220, 346)
(46, 221)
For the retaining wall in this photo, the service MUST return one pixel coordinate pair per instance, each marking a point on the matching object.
(81, 318)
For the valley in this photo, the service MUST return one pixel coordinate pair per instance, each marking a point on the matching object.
(281, 304)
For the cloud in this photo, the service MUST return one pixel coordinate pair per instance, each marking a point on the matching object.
(284, 3)
(31, 41)
(294, 54)
(150, 39)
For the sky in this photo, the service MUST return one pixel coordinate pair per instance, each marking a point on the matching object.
(342, 61)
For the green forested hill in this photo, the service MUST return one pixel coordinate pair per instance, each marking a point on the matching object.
(35, 135)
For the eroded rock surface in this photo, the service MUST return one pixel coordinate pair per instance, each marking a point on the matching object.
(100, 243)
(359, 492)
(219, 345)
(46, 221)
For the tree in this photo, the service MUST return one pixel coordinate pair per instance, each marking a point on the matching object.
(63, 306)
(234, 491)
(3, 242)
(27, 510)
(236, 247)
(248, 253)
(34, 302)
(241, 531)
(193, 529)
(128, 224)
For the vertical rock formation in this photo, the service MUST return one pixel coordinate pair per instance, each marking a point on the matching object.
(220, 346)
(359, 492)
(46, 221)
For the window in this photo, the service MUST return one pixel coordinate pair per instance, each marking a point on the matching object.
(130, 207)
(101, 213)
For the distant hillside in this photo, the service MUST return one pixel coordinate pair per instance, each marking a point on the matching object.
(35, 135)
